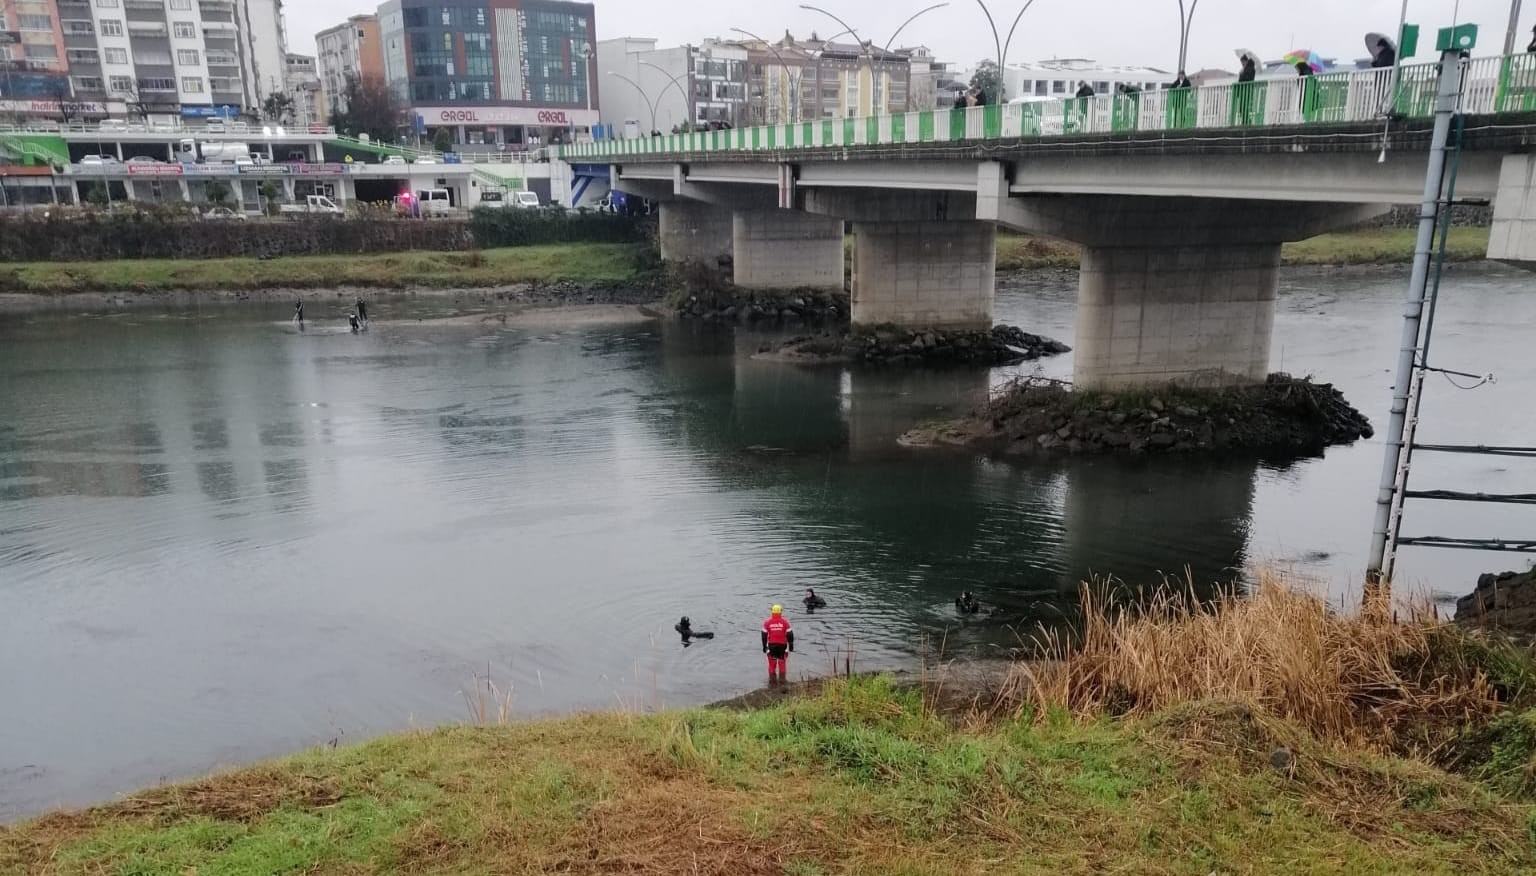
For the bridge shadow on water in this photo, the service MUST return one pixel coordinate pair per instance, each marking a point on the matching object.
(916, 527)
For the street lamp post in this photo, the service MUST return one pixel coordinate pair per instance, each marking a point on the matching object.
(1512, 35)
(1186, 21)
(868, 46)
(794, 105)
(681, 90)
(643, 96)
(1002, 46)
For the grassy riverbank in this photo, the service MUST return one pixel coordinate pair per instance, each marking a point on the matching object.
(575, 262)
(1198, 774)
(570, 262)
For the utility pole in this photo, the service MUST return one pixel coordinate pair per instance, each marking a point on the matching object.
(1389, 498)
(1512, 36)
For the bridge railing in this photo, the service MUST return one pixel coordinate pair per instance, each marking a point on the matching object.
(1491, 85)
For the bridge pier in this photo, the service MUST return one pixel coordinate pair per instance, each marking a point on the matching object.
(690, 231)
(784, 249)
(1175, 290)
(935, 274)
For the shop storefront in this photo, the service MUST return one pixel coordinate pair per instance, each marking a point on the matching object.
(521, 127)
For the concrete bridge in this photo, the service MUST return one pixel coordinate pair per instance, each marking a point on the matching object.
(1179, 199)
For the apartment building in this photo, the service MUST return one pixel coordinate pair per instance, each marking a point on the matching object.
(664, 88)
(350, 49)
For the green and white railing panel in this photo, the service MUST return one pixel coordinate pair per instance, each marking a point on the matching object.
(1492, 86)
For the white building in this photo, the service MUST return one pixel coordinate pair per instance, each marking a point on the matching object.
(1061, 77)
(190, 58)
(303, 85)
(705, 83)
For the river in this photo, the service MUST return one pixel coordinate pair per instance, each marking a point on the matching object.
(222, 539)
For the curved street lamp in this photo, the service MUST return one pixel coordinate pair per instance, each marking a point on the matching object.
(643, 96)
(682, 90)
(867, 46)
(794, 105)
(1186, 21)
(1002, 46)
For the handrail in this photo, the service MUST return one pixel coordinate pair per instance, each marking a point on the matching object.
(1492, 85)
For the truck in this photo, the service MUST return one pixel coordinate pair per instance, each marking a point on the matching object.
(214, 152)
(312, 204)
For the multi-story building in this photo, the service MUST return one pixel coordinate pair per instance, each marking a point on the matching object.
(189, 58)
(32, 53)
(793, 81)
(303, 86)
(350, 49)
(493, 71)
(663, 89)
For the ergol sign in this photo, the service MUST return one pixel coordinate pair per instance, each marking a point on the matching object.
(528, 116)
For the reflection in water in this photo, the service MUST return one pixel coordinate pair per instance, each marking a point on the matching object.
(303, 536)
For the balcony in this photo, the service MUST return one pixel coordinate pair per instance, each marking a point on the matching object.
(147, 30)
(151, 5)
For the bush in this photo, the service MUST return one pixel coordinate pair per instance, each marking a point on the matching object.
(492, 227)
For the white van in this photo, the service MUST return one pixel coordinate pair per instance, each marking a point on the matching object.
(433, 202)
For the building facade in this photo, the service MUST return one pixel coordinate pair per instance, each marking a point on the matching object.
(1062, 78)
(157, 58)
(664, 89)
(493, 72)
(798, 81)
(350, 49)
(303, 86)
(32, 52)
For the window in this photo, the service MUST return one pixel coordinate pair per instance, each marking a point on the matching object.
(84, 56)
(1042, 88)
(187, 58)
(156, 83)
(35, 22)
(106, 4)
(184, 30)
(121, 84)
(192, 85)
(111, 27)
(1101, 87)
(88, 83)
(181, 4)
(116, 56)
(45, 52)
(79, 27)
(1058, 87)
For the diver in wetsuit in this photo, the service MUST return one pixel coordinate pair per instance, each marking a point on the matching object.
(812, 601)
(967, 603)
(685, 629)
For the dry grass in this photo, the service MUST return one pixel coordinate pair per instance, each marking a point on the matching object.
(1363, 680)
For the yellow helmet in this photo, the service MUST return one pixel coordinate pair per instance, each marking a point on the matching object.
(778, 609)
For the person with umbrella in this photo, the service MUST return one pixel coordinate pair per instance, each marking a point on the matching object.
(1383, 51)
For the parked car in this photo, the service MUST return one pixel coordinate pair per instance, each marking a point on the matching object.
(143, 159)
(425, 159)
(315, 204)
(223, 214)
(393, 160)
(526, 200)
(98, 160)
(433, 202)
(112, 125)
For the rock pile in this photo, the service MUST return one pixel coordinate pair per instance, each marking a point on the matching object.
(1283, 416)
(1506, 602)
(888, 345)
(741, 306)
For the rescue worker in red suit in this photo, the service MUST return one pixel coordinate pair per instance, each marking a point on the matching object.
(778, 640)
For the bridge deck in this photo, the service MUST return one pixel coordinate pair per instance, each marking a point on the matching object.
(1327, 112)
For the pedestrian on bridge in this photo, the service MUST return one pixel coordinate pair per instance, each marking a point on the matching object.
(1084, 90)
(1181, 81)
(1532, 46)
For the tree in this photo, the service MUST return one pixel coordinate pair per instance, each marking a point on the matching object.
(988, 81)
(97, 194)
(442, 140)
(271, 193)
(217, 192)
(278, 107)
(372, 108)
(136, 103)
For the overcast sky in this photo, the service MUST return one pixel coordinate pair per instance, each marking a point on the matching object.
(1110, 31)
